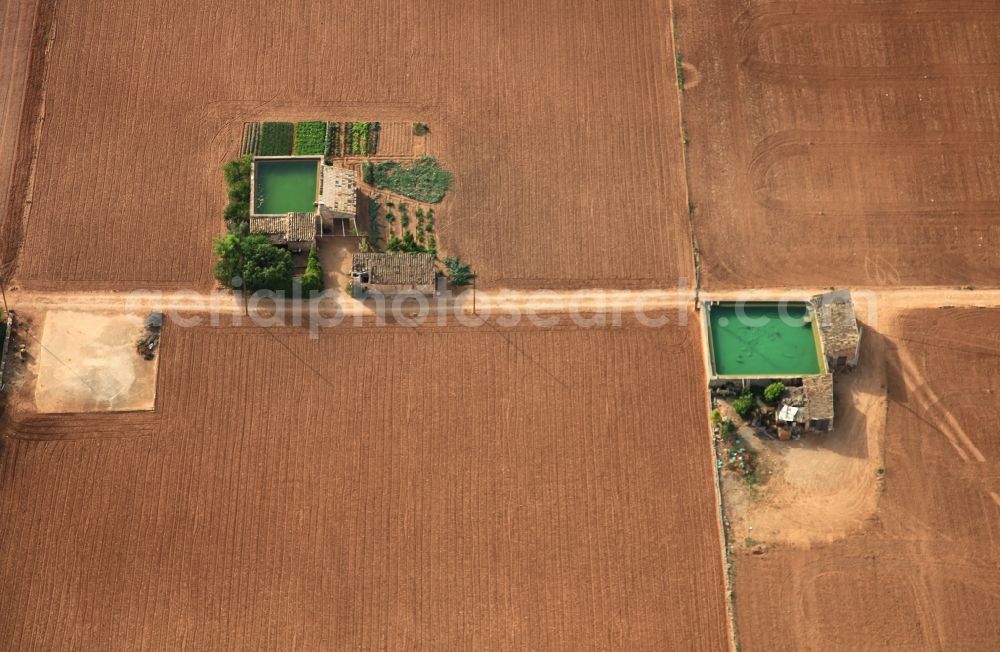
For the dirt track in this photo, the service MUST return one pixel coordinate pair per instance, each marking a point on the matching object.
(859, 134)
(517, 500)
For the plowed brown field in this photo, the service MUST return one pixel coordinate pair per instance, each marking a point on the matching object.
(561, 130)
(863, 134)
(441, 487)
(925, 572)
(21, 41)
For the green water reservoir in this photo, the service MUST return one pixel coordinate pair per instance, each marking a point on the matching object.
(285, 186)
(763, 340)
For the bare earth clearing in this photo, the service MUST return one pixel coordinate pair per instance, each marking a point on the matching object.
(818, 488)
(88, 363)
(518, 500)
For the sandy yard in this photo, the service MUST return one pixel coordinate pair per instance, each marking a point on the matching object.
(88, 363)
(824, 486)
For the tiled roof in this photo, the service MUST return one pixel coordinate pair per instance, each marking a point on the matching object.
(301, 227)
(293, 227)
(339, 189)
(395, 268)
(273, 225)
(837, 323)
(819, 396)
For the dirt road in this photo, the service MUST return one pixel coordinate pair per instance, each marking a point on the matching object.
(872, 305)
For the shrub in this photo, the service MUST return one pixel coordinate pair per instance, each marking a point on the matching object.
(716, 417)
(312, 278)
(276, 138)
(240, 191)
(367, 175)
(774, 392)
(745, 404)
(310, 138)
(420, 129)
(253, 259)
(459, 273)
(425, 181)
(238, 169)
(406, 244)
(237, 212)
(374, 228)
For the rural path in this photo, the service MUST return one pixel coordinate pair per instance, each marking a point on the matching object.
(872, 305)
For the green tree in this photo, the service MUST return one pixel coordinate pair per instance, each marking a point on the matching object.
(459, 273)
(254, 261)
(774, 392)
(265, 266)
(240, 190)
(312, 278)
(238, 169)
(229, 249)
(236, 213)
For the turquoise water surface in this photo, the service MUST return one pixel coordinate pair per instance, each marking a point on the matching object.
(763, 340)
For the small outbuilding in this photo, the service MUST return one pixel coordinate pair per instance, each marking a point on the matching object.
(838, 329)
(297, 231)
(338, 200)
(393, 272)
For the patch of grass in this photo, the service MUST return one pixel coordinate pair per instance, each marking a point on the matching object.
(425, 181)
(310, 138)
(680, 70)
(276, 138)
(750, 542)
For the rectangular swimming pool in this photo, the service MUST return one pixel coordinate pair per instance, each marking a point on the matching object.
(763, 340)
(285, 185)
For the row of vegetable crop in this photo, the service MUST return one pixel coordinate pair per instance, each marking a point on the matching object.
(352, 138)
(317, 138)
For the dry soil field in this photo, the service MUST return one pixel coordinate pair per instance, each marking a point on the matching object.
(862, 134)
(445, 488)
(17, 29)
(925, 571)
(559, 124)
